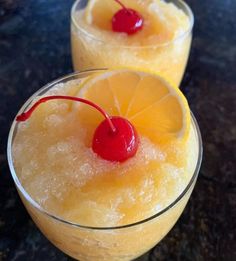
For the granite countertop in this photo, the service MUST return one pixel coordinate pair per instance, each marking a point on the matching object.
(35, 49)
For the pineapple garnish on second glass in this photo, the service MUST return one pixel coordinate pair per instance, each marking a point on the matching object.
(151, 35)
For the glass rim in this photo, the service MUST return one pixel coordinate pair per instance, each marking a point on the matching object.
(37, 206)
(182, 35)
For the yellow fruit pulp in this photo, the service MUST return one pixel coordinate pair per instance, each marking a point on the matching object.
(57, 167)
(161, 46)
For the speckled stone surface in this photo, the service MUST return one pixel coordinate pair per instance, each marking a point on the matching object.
(35, 49)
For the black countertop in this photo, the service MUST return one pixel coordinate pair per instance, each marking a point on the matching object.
(35, 49)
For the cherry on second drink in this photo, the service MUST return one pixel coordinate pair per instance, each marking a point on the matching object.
(157, 39)
(96, 209)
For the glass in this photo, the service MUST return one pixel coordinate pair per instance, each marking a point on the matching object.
(168, 59)
(102, 243)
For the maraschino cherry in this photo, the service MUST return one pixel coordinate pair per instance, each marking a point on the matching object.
(126, 20)
(115, 138)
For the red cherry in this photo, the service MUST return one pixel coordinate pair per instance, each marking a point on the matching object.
(115, 146)
(126, 20)
(115, 139)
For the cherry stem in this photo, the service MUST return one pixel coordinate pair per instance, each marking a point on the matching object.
(122, 5)
(25, 115)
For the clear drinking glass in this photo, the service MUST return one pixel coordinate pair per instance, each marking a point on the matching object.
(102, 243)
(168, 59)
